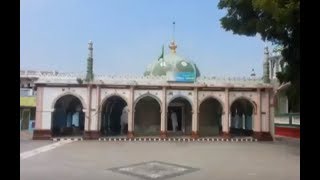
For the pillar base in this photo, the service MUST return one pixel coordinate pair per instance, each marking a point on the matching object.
(42, 134)
(194, 135)
(225, 135)
(262, 136)
(90, 135)
(130, 134)
(163, 134)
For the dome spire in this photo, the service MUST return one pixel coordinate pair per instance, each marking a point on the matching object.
(173, 45)
(173, 30)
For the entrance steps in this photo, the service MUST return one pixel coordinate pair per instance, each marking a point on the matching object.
(158, 139)
(67, 138)
(179, 139)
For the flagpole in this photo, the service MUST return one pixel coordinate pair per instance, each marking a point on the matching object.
(173, 24)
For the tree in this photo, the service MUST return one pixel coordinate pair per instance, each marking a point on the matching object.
(277, 21)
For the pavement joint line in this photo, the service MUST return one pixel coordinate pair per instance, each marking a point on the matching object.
(27, 154)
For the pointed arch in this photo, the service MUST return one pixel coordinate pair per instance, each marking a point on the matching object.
(55, 100)
(253, 103)
(212, 97)
(180, 96)
(147, 95)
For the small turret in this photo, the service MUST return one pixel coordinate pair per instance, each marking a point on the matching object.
(253, 74)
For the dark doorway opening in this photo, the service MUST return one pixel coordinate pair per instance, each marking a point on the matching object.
(112, 110)
(181, 110)
(178, 111)
(241, 118)
(68, 117)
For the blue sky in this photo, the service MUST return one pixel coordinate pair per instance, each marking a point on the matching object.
(128, 35)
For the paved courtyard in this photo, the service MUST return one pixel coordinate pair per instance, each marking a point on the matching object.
(159, 160)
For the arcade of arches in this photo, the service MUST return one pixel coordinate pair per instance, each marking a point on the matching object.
(145, 116)
(68, 118)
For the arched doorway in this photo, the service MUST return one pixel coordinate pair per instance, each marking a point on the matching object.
(114, 117)
(241, 117)
(179, 116)
(147, 117)
(68, 117)
(210, 117)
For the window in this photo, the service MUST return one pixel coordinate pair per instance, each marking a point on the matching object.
(33, 114)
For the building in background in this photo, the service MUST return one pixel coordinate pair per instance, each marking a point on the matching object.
(287, 121)
(28, 97)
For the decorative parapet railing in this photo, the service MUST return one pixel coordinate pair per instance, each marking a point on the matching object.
(241, 81)
(53, 77)
(147, 80)
(288, 119)
(36, 74)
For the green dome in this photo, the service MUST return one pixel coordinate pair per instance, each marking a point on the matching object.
(183, 66)
(160, 68)
(171, 63)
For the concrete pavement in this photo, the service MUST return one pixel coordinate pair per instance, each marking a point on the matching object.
(215, 160)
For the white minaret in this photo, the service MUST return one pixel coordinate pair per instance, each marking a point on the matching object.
(89, 76)
(266, 77)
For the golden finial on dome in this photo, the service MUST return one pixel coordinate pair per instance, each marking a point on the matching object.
(173, 47)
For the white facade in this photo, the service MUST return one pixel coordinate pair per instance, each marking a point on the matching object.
(131, 90)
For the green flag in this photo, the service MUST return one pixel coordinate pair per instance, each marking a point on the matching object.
(161, 56)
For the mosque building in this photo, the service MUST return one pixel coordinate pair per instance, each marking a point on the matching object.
(171, 99)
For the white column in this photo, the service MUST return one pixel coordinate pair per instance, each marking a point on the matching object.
(94, 109)
(272, 107)
(267, 119)
(88, 110)
(98, 110)
(163, 126)
(39, 108)
(257, 120)
(225, 120)
(286, 105)
(131, 112)
(46, 116)
(195, 112)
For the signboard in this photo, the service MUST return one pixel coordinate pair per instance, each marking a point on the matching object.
(182, 77)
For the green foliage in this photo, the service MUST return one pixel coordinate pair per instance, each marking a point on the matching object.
(79, 80)
(274, 20)
(277, 21)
